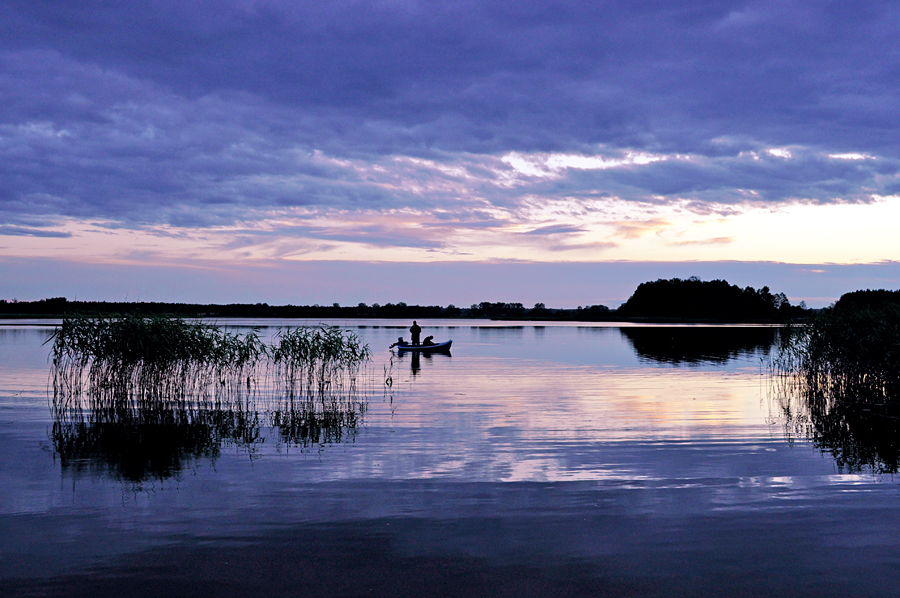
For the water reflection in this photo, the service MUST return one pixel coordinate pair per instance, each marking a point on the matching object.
(136, 436)
(699, 344)
(138, 444)
(860, 436)
(416, 359)
(558, 453)
(143, 444)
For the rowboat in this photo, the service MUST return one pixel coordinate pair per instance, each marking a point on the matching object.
(435, 348)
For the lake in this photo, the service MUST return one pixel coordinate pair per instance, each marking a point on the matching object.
(535, 460)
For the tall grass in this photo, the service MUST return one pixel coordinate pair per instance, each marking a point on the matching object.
(135, 360)
(313, 361)
(851, 355)
(316, 376)
(142, 395)
(837, 381)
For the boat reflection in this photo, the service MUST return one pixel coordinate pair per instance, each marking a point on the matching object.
(699, 344)
(415, 359)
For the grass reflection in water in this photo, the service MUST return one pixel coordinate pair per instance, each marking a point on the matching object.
(141, 397)
(837, 382)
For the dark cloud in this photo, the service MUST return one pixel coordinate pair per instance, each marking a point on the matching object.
(208, 113)
(368, 234)
(21, 231)
(556, 229)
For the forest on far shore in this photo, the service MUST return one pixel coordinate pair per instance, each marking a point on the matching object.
(672, 300)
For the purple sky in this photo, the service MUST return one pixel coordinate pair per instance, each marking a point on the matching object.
(445, 152)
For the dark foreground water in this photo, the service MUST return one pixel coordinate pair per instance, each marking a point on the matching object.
(535, 461)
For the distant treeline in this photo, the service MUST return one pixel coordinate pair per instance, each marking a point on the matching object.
(59, 306)
(675, 300)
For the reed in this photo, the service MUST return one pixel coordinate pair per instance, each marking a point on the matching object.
(316, 373)
(132, 360)
(316, 361)
(849, 355)
(837, 381)
(141, 396)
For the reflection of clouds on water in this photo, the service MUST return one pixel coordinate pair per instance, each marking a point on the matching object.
(489, 418)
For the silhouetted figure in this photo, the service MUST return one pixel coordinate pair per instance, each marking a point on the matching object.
(429, 341)
(415, 330)
(400, 341)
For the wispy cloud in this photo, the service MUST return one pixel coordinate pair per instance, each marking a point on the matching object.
(594, 249)
(21, 231)
(639, 228)
(556, 229)
(710, 241)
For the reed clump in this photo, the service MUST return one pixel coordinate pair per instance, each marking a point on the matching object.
(837, 380)
(131, 358)
(852, 355)
(141, 396)
(316, 361)
(316, 373)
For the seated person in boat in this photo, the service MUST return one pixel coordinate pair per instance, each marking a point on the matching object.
(400, 341)
(429, 341)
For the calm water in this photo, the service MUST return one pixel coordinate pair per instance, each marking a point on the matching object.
(557, 460)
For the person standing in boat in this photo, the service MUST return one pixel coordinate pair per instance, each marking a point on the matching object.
(415, 330)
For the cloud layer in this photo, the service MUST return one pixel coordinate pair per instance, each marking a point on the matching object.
(412, 125)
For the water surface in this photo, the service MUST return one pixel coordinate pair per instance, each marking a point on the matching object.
(562, 459)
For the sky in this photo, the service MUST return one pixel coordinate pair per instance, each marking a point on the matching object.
(446, 152)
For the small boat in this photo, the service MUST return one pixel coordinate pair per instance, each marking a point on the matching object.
(443, 347)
